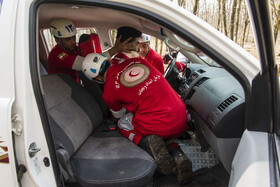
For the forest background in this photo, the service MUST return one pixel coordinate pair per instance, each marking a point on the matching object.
(231, 17)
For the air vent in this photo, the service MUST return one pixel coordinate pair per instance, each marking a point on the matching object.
(201, 81)
(226, 103)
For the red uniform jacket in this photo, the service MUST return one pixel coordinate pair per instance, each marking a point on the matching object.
(61, 61)
(155, 60)
(143, 91)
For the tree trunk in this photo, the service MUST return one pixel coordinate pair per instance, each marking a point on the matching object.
(276, 23)
(237, 21)
(156, 46)
(161, 47)
(232, 18)
(195, 6)
(246, 22)
(219, 14)
(182, 3)
(224, 16)
(114, 34)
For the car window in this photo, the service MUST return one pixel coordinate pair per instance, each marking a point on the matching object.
(241, 32)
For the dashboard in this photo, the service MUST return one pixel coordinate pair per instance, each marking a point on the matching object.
(216, 98)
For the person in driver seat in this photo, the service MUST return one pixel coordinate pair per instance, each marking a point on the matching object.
(151, 113)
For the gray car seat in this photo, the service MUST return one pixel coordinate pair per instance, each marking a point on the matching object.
(88, 152)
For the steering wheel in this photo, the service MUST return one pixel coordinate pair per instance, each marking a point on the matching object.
(171, 74)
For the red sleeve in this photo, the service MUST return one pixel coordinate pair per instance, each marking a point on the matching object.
(181, 67)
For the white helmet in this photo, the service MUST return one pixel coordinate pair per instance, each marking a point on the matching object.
(144, 38)
(62, 28)
(95, 64)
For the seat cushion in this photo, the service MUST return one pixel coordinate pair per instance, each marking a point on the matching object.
(109, 159)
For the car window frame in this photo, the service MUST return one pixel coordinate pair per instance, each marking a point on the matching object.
(265, 43)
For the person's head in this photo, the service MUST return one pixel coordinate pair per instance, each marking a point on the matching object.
(129, 32)
(64, 33)
(144, 45)
(95, 67)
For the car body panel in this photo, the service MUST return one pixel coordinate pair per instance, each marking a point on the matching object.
(250, 164)
(15, 73)
(7, 95)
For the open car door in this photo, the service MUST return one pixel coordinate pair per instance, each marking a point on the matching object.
(256, 162)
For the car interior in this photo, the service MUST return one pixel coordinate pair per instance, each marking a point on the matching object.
(89, 149)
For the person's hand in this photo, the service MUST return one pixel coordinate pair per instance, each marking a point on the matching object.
(166, 62)
(120, 46)
(166, 59)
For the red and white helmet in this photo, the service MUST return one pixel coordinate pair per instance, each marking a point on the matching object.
(62, 28)
(95, 64)
(144, 38)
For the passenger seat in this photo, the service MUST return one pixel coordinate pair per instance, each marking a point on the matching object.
(88, 151)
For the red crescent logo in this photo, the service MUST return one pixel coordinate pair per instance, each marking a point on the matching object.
(133, 75)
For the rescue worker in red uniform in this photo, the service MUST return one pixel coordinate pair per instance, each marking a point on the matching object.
(151, 113)
(180, 66)
(149, 54)
(65, 57)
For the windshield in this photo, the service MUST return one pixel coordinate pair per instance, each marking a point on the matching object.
(183, 45)
(207, 59)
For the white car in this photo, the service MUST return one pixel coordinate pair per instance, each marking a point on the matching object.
(54, 132)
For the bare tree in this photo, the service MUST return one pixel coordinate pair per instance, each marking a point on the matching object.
(195, 6)
(219, 14)
(224, 16)
(276, 24)
(232, 18)
(237, 20)
(156, 45)
(182, 3)
(246, 22)
(161, 47)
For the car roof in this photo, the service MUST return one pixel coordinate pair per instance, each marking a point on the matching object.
(84, 16)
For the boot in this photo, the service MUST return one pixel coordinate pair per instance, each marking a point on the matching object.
(155, 146)
(184, 168)
(183, 163)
